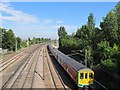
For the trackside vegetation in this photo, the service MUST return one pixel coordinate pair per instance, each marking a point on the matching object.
(100, 45)
(8, 40)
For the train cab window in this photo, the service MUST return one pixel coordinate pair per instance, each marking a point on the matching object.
(85, 75)
(91, 76)
(81, 75)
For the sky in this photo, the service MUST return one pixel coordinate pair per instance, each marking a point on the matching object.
(42, 19)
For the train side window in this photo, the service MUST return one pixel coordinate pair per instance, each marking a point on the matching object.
(85, 75)
(81, 75)
(91, 76)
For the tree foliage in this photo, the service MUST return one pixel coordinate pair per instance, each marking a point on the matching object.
(9, 41)
(61, 32)
(101, 46)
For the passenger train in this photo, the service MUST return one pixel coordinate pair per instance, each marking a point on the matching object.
(80, 74)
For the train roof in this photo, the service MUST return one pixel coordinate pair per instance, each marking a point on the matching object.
(75, 64)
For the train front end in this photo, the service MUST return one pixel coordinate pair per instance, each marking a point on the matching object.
(85, 77)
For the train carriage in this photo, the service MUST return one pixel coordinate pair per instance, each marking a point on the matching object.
(72, 72)
(64, 65)
(59, 59)
(80, 74)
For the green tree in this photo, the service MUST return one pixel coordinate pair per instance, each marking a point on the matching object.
(108, 56)
(62, 35)
(110, 28)
(82, 33)
(89, 56)
(90, 33)
(4, 38)
(61, 32)
(78, 33)
(0, 37)
(101, 46)
(23, 44)
(91, 25)
(18, 42)
(8, 40)
(117, 10)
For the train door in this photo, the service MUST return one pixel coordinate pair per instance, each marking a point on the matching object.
(86, 79)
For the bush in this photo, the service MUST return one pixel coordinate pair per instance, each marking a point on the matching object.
(109, 65)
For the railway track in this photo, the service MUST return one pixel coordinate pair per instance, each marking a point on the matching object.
(56, 79)
(8, 56)
(24, 69)
(30, 74)
(34, 70)
(99, 86)
(12, 55)
(38, 78)
(4, 64)
(94, 87)
(7, 62)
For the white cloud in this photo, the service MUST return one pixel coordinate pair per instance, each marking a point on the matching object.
(51, 21)
(46, 31)
(20, 16)
(16, 15)
(38, 30)
(59, 21)
(48, 21)
(48, 27)
(5, 0)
